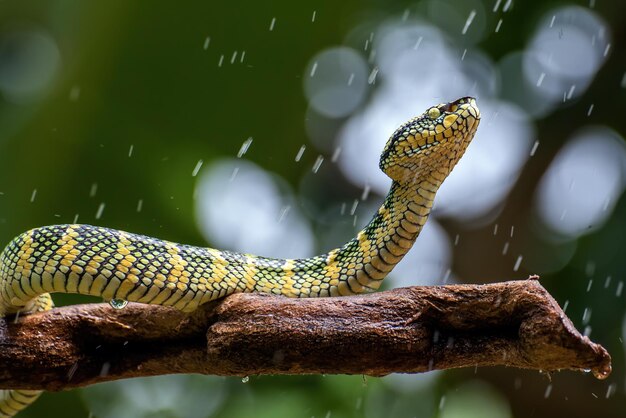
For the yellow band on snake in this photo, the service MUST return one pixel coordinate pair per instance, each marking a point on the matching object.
(119, 266)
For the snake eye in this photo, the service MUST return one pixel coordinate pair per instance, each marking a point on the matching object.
(433, 113)
(450, 107)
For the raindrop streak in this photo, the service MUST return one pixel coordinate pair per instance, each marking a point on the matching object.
(243, 55)
(336, 154)
(498, 25)
(565, 305)
(607, 282)
(244, 147)
(71, 371)
(33, 196)
(100, 210)
(446, 276)
(456, 240)
(418, 43)
(75, 93)
(207, 41)
(534, 148)
(495, 7)
(139, 205)
(590, 110)
(118, 303)
(610, 390)
(469, 21)
(232, 176)
(366, 192)
(272, 24)
(517, 263)
(93, 190)
(75, 221)
(355, 204)
(372, 77)
(318, 164)
(283, 212)
(589, 285)
(606, 50)
(105, 369)
(540, 79)
(586, 316)
(245, 379)
(507, 5)
(313, 17)
(620, 287)
(197, 168)
(505, 249)
(512, 230)
(313, 68)
(233, 57)
(130, 151)
(300, 152)
(221, 61)
(495, 229)
(548, 391)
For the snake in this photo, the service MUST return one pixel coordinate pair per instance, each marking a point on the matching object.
(119, 267)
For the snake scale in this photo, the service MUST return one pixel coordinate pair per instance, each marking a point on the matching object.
(119, 266)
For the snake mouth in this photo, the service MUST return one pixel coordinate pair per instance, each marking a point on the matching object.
(467, 103)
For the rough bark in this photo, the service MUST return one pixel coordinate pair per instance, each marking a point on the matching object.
(407, 330)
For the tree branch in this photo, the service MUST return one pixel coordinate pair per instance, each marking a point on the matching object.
(408, 330)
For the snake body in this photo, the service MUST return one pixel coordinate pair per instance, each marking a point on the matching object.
(120, 266)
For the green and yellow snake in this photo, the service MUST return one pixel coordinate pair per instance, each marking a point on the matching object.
(119, 266)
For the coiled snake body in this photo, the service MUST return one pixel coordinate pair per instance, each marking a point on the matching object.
(120, 266)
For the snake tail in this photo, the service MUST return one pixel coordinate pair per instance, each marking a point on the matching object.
(120, 266)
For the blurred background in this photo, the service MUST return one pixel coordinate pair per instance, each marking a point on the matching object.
(257, 127)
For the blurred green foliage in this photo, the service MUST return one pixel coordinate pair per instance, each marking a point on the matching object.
(136, 74)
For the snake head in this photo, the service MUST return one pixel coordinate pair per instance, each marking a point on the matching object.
(428, 146)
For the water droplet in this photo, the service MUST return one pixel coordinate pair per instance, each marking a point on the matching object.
(118, 303)
(245, 379)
